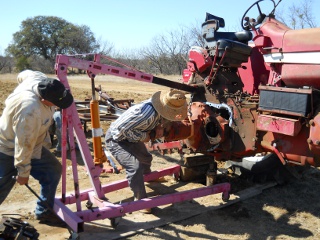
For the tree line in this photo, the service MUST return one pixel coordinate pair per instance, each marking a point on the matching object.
(41, 38)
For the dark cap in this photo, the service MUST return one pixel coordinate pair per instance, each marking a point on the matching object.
(54, 91)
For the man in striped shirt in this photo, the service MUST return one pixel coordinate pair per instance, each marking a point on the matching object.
(126, 137)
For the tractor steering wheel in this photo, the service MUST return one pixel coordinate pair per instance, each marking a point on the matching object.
(245, 21)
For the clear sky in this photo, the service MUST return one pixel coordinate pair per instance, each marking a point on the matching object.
(127, 24)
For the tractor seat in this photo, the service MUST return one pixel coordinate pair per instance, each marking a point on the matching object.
(232, 46)
(234, 53)
(210, 32)
(243, 36)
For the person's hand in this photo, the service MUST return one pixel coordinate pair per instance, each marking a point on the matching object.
(147, 139)
(22, 180)
(159, 131)
(156, 133)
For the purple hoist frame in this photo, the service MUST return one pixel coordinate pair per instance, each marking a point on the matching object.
(96, 196)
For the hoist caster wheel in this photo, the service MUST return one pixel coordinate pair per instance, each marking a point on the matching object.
(74, 236)
(89, 205)
(225, 196)
(176, 177)
(115, 222)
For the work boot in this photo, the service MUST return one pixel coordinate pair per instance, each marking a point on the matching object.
(146, 210)
(50, 219)
(160, 179)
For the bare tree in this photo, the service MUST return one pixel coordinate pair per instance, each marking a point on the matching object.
(153, 62)
(3, 62)
(105, 47)
(38, 63)
(167, 53)
(127, 58)
(299, 15)
(6, 64)
(195, 33)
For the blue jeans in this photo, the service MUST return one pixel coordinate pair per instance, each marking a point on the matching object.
(58, 122)
(135, 158)
(57, 117)
(47, 170)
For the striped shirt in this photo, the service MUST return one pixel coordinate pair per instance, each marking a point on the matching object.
(133, 125)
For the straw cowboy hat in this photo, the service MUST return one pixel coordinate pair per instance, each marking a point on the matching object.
(171, 105)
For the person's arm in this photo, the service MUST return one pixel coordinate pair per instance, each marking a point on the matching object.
(26, 127)
(135, 124)
(156, 133)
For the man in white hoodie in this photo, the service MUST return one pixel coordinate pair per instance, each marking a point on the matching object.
(24, 128)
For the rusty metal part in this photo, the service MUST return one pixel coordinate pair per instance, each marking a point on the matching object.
(15, 228)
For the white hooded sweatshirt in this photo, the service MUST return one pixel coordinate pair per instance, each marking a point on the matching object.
(25, 122)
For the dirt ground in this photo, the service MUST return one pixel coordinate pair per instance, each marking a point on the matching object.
(287, 211)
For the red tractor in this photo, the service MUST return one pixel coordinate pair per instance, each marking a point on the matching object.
(258, 93)
(254, 105)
